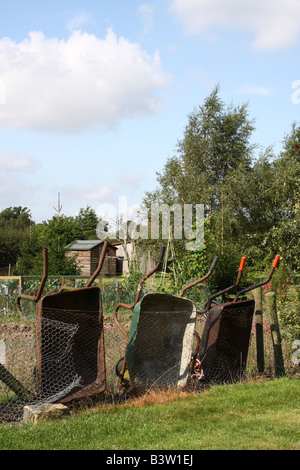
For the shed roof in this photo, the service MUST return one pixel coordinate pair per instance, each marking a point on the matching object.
(85, 245)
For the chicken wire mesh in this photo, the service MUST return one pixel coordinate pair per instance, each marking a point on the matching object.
(69, 355)
(223, 351)
(160, 341)
(80, 311)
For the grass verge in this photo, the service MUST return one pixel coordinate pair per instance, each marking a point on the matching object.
(252, 416)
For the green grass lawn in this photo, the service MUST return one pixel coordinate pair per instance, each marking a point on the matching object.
(253, 416)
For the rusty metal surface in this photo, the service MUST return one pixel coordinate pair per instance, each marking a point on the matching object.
(207, 275)
(225, 341)
(228, 289)
(70, 345)
(138, 293)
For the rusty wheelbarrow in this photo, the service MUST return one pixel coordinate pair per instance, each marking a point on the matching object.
(70, 352)
(223, 349)
(159, 343)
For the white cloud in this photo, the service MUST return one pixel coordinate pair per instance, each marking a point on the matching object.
(2, 92)
(70, 85)
(274, 23)
(15, 162)
(98, 193)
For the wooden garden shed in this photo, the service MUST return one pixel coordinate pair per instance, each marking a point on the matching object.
(88, 252)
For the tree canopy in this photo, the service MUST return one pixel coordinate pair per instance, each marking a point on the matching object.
(250, 197)
(249, 194)
(22, 240)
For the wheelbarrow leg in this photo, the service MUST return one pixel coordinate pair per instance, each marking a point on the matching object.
(119, 385)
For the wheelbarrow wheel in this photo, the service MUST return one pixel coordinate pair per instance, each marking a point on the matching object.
(119, 383)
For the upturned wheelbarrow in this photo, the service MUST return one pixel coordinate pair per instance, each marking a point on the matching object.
(70, 356)
(159, 343)
(223, 349)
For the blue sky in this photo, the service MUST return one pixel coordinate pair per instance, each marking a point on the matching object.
(94, 95)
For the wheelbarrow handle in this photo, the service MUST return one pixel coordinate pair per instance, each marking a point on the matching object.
(159, 262)
(274, 266)
(100, 265)
(213, 264)
(138, 293)
(228, 289)
(116, 320)
(35, 298)
(161, 254)
(212, 267)
(242, 264)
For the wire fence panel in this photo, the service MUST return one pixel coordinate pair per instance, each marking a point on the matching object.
(72, 353)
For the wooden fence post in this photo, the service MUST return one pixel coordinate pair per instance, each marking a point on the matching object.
(258, 316)
(276, 337)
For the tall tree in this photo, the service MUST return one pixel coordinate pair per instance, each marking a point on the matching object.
(16, 217)
(87, 221)
(14, 222)
(216, 142)
(56, 234)
(284, 235)
(215, 152)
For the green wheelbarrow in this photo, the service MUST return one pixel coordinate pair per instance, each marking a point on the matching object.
(160, 340)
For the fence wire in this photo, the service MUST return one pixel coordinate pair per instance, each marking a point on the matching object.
(70, 356)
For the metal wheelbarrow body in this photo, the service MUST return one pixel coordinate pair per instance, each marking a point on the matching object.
(224, 346)
(70, 345)
(160, 341)
(70, 356)
(159, 344)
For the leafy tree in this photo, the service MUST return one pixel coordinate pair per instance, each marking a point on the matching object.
(214, 155)
(253, 202)
(87, 221)
(288, 173)
(30, 250)
(215, 143)
(284, 235)
(248, 209)
(14, 222)
(56, 234)
(285, 238)
(15, 217)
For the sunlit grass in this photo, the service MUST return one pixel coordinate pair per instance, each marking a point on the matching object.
(256, 415)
